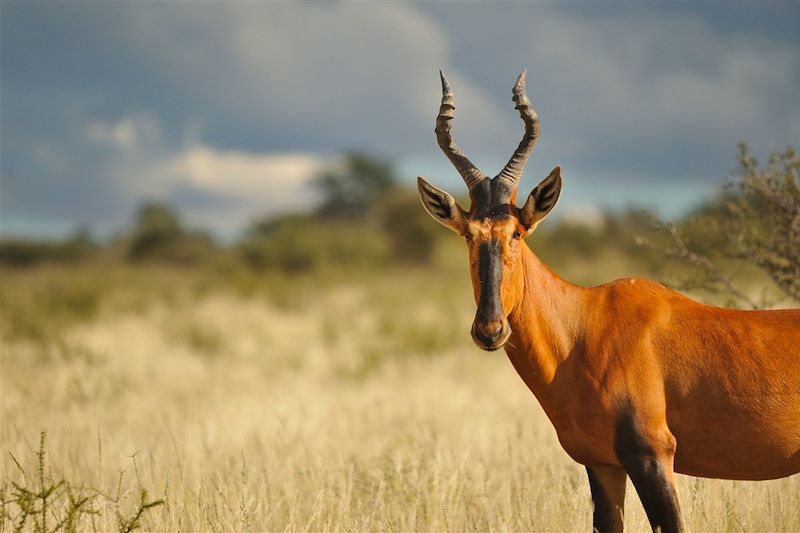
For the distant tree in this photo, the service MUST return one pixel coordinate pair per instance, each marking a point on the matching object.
(81, 245)
(155, 218)
(159, 235)
(301, 243)
(26, 253)
(412, 237)
(756, 223)
(352, 188)
(157, 225)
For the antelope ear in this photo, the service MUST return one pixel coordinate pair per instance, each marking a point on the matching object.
(541, 201)
(441, 206)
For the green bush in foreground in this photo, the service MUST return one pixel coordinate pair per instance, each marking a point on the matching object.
(46, 505)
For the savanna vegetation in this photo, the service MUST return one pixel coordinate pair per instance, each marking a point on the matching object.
(317, 374)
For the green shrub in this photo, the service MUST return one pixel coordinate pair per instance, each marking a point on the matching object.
(299, 244)
(410, 232)
(158, 236)
(45, 504)
(27, 253)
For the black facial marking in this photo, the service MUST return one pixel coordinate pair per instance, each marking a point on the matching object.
(481, 196)
(501, 191)
(499, 211)
(490, 272)
(438, 205)
(490, 198)
(647, 473)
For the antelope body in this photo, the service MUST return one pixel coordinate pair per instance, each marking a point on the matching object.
(639, 381)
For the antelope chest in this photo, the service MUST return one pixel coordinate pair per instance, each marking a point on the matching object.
(585, 431)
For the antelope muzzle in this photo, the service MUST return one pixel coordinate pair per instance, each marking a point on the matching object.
(490, 329)
(491, 335)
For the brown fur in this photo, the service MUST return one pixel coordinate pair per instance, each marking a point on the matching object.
(637, 379)
(633, 374)
(719, 386)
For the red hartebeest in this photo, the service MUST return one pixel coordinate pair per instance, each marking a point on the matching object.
(637, 379)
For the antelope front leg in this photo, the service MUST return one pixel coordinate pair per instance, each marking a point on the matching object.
(647, 451)
(607, 484)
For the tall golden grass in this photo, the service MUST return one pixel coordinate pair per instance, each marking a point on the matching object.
(358, 406)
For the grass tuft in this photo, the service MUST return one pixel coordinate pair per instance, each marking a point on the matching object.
(46, 504)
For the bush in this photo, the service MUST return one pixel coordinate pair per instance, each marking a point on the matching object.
(26, 253)
(301, 244)
(159, 236)
(44, 504)
(755, 225)
(764, 217)
(351, 189)
(411, 234)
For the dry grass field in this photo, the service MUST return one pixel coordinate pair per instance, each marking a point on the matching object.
(296, 407)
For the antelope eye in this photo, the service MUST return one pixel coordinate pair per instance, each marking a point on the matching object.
(517, 235)
(468, 237)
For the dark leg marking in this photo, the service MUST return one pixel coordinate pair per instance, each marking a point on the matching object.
(646, 469)
(608, 496)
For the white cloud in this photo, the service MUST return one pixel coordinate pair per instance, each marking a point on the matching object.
(130, 133)
(236, 173)
(235, 186)
(583, 214)
(248, 185)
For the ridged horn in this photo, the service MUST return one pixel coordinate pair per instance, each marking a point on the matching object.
(513, 169)
(471, 174)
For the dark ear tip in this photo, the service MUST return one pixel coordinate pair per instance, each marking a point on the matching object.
(555, 175)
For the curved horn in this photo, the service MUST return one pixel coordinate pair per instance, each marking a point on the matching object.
(468, 171)
(513, 169)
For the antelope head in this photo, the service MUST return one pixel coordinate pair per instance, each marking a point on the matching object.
(494, 226)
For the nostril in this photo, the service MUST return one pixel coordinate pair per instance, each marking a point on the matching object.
(490, 330)
(488, 335)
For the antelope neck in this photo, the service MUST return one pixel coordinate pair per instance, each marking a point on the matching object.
(546, 324)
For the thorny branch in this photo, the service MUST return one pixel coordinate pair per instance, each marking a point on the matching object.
(704, 262)
(756, 222)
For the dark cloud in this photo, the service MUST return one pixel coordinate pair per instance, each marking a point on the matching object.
(652, 94)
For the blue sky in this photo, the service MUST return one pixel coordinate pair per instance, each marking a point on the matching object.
(228, 110)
